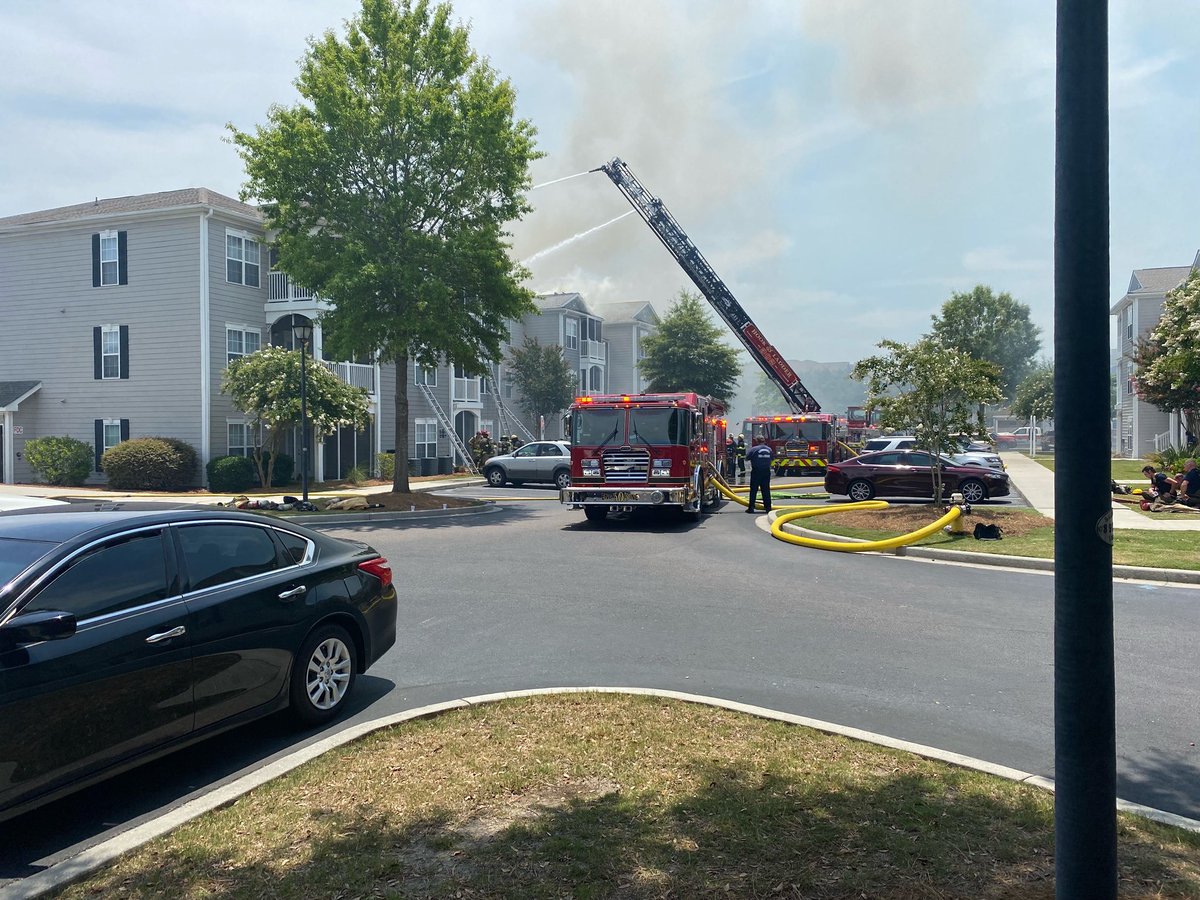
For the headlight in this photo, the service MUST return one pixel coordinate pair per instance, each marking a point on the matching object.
(660, 473)
(662, 464)
(592, 465)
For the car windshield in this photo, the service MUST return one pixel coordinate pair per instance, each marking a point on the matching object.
(657, 427)
(16, 555)
(597, 427)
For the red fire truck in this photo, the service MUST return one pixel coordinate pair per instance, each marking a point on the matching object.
(803, 445)
(635, 450)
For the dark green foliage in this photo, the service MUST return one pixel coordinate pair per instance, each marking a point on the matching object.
(284, 469)
(231, 474)
(387, 465)
(60, 459)
(150, 464)
(992, 328)
(687, 352)
(547, 384)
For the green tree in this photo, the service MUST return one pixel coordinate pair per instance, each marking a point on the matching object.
(389, 186)
(991, 327)
(686, 352)
(1035, 395)
(542, 375)
(1168, 360)
(266, 387)
(936, 392)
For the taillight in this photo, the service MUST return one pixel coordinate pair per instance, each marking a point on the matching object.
(379, 568)
(833, 470)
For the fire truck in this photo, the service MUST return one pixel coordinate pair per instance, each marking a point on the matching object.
(806, 425)
(803, 445)
(644, 450)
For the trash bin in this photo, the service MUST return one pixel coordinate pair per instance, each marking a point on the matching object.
(445, 465)
(428, 466)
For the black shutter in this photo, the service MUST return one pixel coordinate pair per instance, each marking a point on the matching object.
(124, 351)
(95, 260)
(99, 441)
(97, 354)
(124, 429)
(122, 258)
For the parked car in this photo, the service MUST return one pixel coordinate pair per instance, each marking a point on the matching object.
(896, 473)
(985, 457)
(124, 635)
(544, 461)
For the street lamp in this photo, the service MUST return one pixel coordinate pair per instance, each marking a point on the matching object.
(302, 331)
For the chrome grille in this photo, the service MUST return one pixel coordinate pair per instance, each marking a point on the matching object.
(625, 466)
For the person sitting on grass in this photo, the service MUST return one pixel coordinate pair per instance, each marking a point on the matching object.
(1189, 484)
(1162, 486)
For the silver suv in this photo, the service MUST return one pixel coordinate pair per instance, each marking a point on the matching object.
(908, 442)
(546, 461)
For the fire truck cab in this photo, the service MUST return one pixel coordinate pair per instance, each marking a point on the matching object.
(803, 445)
(644, 450)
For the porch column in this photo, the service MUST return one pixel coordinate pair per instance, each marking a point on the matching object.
(10, 452)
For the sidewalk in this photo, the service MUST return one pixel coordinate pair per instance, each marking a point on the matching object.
(1036, 484)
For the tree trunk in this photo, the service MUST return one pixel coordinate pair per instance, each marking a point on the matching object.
(400, 473)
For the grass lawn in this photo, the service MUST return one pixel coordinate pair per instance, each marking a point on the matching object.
(1026, 533)
(1122, 469)
(598, 795)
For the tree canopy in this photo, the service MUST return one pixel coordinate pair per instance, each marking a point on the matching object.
(542, 375)
(388, 187)
(686, 352)
(935, 392)
(1035, 395)
(266, 386)
(990, 327)
(1168, 360)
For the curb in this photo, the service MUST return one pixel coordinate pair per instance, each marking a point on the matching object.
(1139, 573)
(87, 862)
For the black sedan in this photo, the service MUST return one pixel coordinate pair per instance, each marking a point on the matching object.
(909, 473)
(125, 634)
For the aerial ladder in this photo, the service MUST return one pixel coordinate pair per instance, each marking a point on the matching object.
(680, 246)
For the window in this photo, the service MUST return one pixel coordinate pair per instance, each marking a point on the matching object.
(240, 439)
(596, 379)
(109, 433)
(571, 342)
(118, 574)
(110, 258)
(296, 548)
(242, 255)
(549, 450)
(218, 554)
(583, 381)
(241, 340)
(110, 351)
(424, 376)
(426, 436)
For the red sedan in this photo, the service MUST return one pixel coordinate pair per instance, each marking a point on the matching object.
(909, 473)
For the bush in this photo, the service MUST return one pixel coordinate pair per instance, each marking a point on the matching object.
(285, 467)
(231, 474)
(387, 466)
(60, 460)
(357, 475)
(1171, 459)
(150, 464)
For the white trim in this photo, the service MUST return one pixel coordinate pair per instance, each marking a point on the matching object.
(10, 454)
(106, 330)
(114, 237)
(205, 350)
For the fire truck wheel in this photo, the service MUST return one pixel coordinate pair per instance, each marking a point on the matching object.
(495, 476)
(595, 513)
(562, 479)
(859, 490)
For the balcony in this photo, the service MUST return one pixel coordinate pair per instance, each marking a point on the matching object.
(353, 374)
(281, 289)
(594, 350)
(466, 390)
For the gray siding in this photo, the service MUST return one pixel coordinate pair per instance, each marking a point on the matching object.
(621, 375)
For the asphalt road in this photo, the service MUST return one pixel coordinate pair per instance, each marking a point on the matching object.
(532, 595)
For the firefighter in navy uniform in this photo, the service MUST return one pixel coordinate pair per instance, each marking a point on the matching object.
(760, 456)
(740, 452)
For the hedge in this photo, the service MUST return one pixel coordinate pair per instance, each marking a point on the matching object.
(150, 464)
(60, 459)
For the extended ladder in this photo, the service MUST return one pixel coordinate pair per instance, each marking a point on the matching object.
(447, 426)
(507, 419)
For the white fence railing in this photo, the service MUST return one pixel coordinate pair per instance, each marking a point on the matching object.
(466, 390)
(593, 349)
(353, 374)
(1162, 441)
(280, 287)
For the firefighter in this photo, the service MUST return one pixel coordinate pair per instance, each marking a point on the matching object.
(481, 448)
(760, 456)
(515, 442)
(740, 452)
(730, 457)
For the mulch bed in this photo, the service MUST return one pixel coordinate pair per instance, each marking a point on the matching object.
(903, 519)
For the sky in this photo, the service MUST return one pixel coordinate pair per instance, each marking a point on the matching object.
(844, 166)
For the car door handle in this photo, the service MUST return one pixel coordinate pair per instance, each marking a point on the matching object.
(177, 631)
(294, 592)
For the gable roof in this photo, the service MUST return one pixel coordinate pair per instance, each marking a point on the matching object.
(117, 206)
(628, 311)
(572, 300)
(13, 392)
(1151, 283)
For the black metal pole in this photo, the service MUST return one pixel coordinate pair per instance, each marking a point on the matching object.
(303, 423)
(1084, 683)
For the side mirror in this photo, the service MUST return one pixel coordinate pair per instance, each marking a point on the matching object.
(34, 627)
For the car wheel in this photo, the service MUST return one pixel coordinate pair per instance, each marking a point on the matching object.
(323, 674)
(595, 513)
(859, 490)
(973, 491)
(495, 476)
(562, 479)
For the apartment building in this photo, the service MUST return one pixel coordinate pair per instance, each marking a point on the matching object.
(118, 318)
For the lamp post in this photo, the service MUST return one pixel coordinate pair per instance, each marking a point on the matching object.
(302, 331)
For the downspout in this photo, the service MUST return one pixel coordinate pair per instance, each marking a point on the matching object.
(10, 447)
(205, 353)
